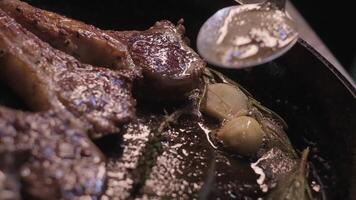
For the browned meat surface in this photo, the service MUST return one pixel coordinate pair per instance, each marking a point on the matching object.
(10, 165)
(170, 67)
(87, 43)
(62, 161)
(47, 78)
(126, 170)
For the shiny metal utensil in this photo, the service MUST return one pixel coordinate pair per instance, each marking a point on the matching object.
(247, 35)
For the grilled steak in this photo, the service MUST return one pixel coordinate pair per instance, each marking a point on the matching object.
(156, 156)
(63, 163)
(10, 165)
(87, 43)
(46, 78)
(169, 66)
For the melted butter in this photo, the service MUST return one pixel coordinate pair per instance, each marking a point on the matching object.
(241, 40)
(246, 33)
(259, 171)
(241, 52)
(207, 132)
(223, 31)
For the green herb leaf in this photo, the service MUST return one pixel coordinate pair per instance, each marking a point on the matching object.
(295, 185)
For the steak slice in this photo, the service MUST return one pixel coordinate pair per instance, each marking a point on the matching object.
(62, 162)
(48, 78)
(170, 68)
(87, 43)
(10, 164)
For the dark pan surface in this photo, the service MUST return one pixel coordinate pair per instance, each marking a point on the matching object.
(309, 93)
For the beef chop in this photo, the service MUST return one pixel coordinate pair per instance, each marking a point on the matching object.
(62, 164)
(87, 43)
(46, 78)
(170, 68)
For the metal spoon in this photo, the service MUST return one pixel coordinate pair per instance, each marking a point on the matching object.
(247, 35)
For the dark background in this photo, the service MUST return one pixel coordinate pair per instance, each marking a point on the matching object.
(335, 23)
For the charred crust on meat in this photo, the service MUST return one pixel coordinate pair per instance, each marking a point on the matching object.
(18, 9)
(76, 108)
(2, 53)
(62, 32)
(35, 22)
(67, 42)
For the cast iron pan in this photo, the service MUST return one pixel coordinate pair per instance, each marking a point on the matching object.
(317, 102)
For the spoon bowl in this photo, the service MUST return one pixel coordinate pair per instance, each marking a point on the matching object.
(246, 35)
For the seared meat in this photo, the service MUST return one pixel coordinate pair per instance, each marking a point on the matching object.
(169, 66)
(63, 163)
(10, 164)
(87, 43)
(47, 78)
(126, 171)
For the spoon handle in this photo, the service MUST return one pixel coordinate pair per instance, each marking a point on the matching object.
(240, 2)
(280, 4)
